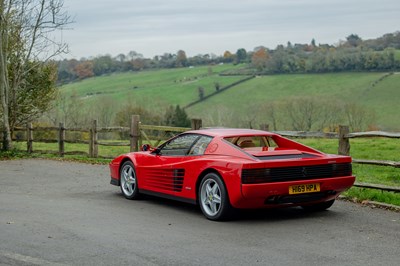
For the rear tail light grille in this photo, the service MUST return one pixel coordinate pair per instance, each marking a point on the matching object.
(282, 174)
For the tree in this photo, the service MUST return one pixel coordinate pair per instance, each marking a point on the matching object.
(34, 96)
(357, 117)
(103, 65)
(259, 59)
(123, 116)
(241, 55)
(134, 55)
(302, 112)
(84, 70)
(353, 40)
(217, 86)
(120, 58)
(313, 43)
(137, 64)
(26, 43)
(201, 93)
(177, 117)
(181, 59)
(228, 57)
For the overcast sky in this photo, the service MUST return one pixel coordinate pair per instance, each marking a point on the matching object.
(154, 27)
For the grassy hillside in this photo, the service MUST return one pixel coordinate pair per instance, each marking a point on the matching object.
(382, 97)
(158, 89)
(170, 86)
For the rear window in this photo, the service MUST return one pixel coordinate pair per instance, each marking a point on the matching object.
(253, 142)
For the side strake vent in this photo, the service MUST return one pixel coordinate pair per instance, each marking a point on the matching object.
(282, 174)
(167, 179)
(178, 175)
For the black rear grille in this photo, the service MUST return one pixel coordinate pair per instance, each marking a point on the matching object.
(301, 198)
(283, 174)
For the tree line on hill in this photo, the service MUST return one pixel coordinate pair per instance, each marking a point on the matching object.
(353, 54)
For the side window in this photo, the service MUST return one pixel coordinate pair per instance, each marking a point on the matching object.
(200, 146)
(179, 146)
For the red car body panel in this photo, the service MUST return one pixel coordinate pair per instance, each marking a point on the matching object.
(179, 176)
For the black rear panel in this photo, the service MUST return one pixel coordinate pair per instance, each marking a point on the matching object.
(282, 174)
(288, 156)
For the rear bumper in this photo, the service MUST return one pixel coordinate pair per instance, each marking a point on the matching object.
(115, 182)
(272, 195)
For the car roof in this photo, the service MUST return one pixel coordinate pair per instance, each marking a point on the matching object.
(230, 132)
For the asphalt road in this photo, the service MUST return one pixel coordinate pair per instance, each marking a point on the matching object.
(62, 213)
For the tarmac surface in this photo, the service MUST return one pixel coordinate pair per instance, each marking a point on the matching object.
(65, 213)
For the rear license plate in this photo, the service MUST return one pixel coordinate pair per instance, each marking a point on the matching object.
(306, 188)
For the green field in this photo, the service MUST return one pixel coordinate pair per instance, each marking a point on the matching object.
(383, 98)
(156, 90)
(167, 86)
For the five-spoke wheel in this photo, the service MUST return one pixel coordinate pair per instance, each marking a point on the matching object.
(128, 179)
(213, 198)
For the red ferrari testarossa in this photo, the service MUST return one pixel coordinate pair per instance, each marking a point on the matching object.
(224, 169)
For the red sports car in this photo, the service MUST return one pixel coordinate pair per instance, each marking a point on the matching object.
(224, 169)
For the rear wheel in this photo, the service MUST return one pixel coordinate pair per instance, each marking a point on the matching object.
(213, 198)
(129, 185)
(319, 206)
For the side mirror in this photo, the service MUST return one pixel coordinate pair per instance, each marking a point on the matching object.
(156, 151)
(145, 147)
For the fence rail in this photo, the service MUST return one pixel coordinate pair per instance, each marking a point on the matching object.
(139, 133)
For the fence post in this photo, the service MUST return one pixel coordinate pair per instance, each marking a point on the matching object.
(344, 143)
(264, 127)
(135, 133)
(93, 149)
(1, 139)
(61, 140)
(196, 124)
(91, 144)
(29, 138)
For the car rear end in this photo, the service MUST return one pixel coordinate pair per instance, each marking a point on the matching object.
(294, 182)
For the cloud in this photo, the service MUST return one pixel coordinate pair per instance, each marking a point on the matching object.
(156, 26)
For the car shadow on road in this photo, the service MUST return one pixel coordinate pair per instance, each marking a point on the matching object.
(252, 215)
(282, 214)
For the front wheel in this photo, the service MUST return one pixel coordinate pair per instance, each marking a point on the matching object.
(213, 198)
(319, 206)
(129, 184)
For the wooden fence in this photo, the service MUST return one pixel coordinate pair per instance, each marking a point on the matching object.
(344, 148)
(139, 133)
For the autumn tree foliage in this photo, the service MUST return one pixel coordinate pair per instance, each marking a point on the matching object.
(84, 70)
(228, 57)
(260, 58)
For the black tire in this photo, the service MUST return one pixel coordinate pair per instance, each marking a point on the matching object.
(319, 206)
(128, 180)
(214, 199)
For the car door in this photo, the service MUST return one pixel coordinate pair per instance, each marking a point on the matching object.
(163, 170)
